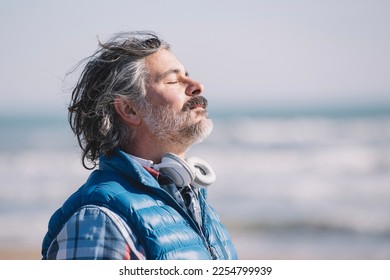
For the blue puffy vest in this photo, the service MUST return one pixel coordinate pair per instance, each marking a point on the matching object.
(165, 229)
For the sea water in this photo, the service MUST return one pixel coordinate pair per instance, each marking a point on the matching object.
(288, 186)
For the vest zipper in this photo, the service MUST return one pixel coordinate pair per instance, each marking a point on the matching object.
(167, 197)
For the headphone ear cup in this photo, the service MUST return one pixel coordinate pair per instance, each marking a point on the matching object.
(204, 173)
(177, 169)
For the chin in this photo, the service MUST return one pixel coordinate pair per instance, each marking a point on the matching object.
(202, 130)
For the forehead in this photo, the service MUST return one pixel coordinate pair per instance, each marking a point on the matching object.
(161, 62)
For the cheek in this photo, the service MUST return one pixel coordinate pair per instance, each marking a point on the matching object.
(168, 98)
(154, 96)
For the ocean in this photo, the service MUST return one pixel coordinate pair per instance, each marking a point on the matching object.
(289, 186)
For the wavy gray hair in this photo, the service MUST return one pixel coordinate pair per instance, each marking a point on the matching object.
(116, 69)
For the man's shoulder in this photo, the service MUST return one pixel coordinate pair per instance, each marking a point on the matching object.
(103, 184)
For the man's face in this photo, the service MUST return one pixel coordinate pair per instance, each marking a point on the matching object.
(176, 110)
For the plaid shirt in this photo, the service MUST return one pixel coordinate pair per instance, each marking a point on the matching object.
(95, 232)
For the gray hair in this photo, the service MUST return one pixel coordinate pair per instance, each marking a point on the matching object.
(116, 69)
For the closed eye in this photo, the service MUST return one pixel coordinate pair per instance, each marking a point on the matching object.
(172, 76)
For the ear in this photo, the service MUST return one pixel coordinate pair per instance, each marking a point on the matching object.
(126, 111)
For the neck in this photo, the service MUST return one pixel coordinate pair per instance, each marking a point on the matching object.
(153, 149)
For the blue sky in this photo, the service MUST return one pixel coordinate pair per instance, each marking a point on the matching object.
(246, 53)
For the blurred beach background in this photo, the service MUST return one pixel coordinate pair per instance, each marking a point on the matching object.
(299, 93)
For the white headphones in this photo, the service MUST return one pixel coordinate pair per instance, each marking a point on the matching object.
(191, 171)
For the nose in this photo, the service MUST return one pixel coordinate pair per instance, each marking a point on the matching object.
(194, 88)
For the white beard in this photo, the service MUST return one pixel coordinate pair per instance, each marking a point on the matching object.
(170, 126)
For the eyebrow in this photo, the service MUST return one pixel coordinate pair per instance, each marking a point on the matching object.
(171, 71)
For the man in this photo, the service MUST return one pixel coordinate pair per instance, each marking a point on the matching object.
(136, 112)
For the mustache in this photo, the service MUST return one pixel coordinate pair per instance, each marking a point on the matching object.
(194, 102)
